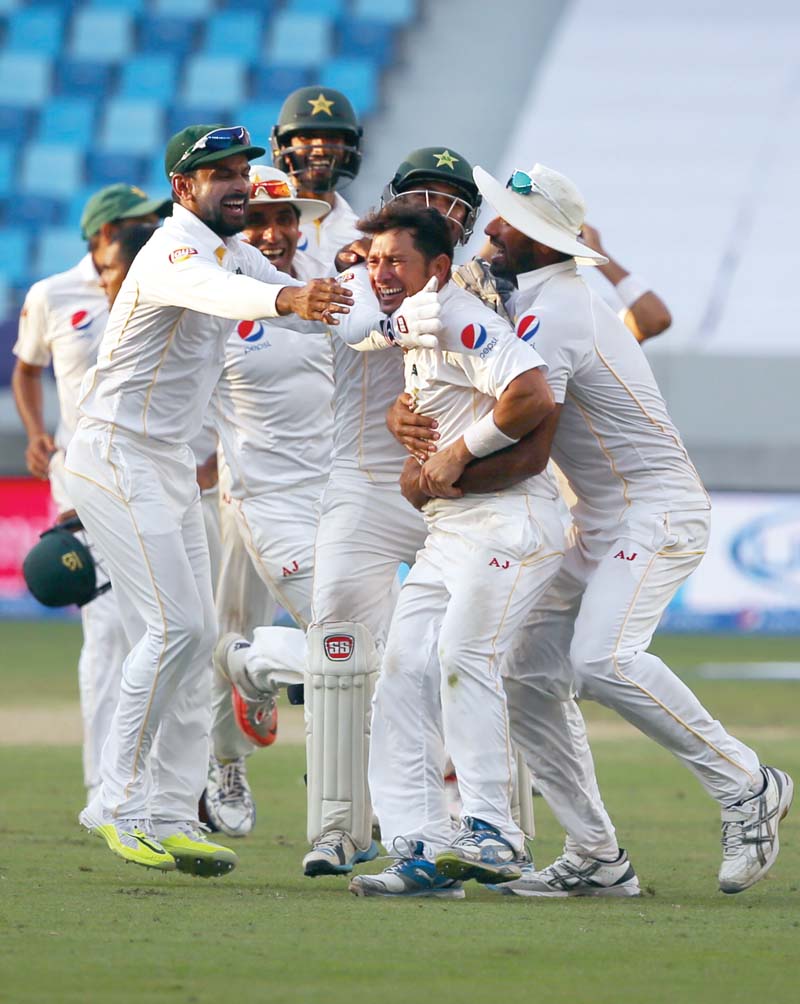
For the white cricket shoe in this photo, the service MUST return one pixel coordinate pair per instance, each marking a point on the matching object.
(411, 874)
(335, 853)
(229, 802)
(574, 875)
(480, 852)
(750, 832)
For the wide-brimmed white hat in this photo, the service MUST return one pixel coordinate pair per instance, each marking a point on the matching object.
(269, 186)
(543, 205)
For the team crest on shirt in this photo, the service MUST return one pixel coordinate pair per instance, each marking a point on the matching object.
(81, 320)
(250, 331)
(473, 336)
(527, 327)
(181, 254)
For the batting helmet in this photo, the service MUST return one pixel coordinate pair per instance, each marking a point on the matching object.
(60, 570)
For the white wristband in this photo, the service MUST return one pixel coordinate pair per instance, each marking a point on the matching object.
(630, 289)
(483, 437)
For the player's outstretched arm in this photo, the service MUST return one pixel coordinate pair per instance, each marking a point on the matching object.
(318, 300)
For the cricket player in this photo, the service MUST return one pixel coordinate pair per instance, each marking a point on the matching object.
(275, 418)
(62, 321)
(132, 477)
(484, 562)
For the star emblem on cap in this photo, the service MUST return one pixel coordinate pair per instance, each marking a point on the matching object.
(446, 159)
(321, 104)
(137, 191)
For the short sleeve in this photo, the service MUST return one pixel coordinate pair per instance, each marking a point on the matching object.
(559, 344)
(31, 346)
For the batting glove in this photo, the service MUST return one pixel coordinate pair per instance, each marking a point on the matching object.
(415, 324)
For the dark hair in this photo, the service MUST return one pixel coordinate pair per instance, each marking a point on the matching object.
(131, 240)
(429, 230)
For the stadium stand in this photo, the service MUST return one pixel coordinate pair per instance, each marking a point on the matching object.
(91, 89)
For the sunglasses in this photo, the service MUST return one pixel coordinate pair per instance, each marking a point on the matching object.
(523, 184)
(274, 188)
(218, 139)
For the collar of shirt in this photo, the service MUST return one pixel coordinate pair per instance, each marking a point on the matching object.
(88, 272)
(533, 281)
(200, 233)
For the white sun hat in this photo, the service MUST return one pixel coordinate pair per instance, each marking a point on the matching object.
(544, 205)
(269, 186)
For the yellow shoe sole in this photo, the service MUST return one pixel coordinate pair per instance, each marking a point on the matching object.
(147, 854)
(204, 860)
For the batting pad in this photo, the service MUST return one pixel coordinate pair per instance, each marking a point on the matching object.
(342, 666)
(522, 797)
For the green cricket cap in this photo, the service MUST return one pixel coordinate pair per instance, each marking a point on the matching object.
(119, 202)
(212, 142)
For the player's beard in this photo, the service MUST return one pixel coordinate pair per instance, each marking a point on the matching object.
(223, 225)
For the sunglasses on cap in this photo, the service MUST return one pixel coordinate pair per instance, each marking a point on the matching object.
(522, 183)
(218, 139)
(274, 188)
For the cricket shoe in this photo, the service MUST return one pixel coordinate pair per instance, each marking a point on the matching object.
(255, 709)
(228, 800)
(132, 840)
(194, 854)
(410, 875)
(574, 875)
(750, 832)
(335, 853)
(480, 852)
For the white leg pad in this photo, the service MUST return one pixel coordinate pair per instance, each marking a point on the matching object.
(342, 667)
(522, 797)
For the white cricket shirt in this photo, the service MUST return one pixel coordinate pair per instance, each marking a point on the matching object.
(615, 441)
(274, 403)
(63, 319)
(324, 239)
(164, 345)
(460, 381)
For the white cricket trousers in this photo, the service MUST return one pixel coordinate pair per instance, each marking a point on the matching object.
(277, 533)
(589, 636)
(138, 498)
(484, 564)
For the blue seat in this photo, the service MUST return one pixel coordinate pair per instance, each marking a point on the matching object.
(76, 204)
(103, 35)
(275, 81)
(33, 211)
(235, 33)
(145, 76)
(83, 78)
(299, 39)
(259, 117)
(357, 78)
(58, 249)
(131, 126)
(181, 115)
(8, 167)
(16, 244)
(183, 8)
(24, 79)
(167, 34)
(51, 169)
(398, 12)
(155, 180)
(263, 6)
(217, 79)
(368, 38)
(108, 168)
(132, 6)
(67, 120)
(14, 122)
(36, 29)
(329, 8)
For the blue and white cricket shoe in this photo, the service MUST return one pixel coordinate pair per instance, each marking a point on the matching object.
(573, 875)
(410, 875)
(335, 853)
(480, 852)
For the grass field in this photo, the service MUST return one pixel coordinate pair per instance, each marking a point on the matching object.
(80, 926)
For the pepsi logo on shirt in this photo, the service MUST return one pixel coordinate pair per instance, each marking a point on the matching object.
(81, 320)
(250, 331)
(473, 336)
(527, 327)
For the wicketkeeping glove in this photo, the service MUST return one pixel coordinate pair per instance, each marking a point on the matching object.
(415, 324)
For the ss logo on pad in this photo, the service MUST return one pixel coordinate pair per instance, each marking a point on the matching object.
(339, 647)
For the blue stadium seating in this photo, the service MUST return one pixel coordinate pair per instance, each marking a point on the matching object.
(149, 77)
(35, 29)
(396, 12)
(51, 169)
(329, 8)
(108, 168)
(235, 33)
(132, 6)
(131, 126)
(77, 201)
(299, 39)
(275, 81)
(155, 180)
(357, 78)
(218, 79)
(15, 123)
(182, 115)
(102, 35)
(59, 248)
(259, 117)
(32, 211)
(167, 34)
(15, 243)
(24, 79)
(68, 120)
(183, 8)
(83, 78)
(369, 38)
(9, 153)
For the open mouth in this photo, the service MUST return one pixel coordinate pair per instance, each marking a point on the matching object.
(235, 205)
(273, 254)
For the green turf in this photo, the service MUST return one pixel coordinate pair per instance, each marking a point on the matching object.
(78, 925)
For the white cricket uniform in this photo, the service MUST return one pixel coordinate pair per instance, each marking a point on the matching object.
(640, 528)
(324, 238)
(486, 560)
(275, 419)
(62, 321)
(202, 446)
(132, 477)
